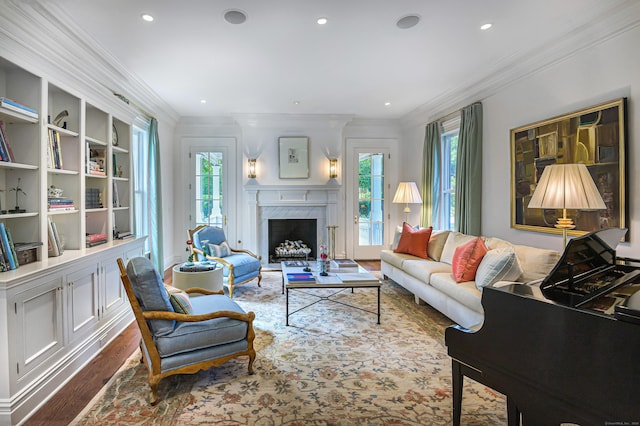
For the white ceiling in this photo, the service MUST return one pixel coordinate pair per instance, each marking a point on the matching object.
(352, 65)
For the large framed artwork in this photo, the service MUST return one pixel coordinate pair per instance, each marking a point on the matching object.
(594, 136)
(294, 157)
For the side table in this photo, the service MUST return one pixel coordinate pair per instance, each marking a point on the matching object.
(209, 280)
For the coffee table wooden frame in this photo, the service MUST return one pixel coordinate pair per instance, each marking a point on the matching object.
(329, 282)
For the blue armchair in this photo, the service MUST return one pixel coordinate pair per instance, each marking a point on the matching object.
(240, 266)
(180, 334)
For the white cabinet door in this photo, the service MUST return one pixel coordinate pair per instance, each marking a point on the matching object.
(82, 293)
(112, 293)
(35, 324)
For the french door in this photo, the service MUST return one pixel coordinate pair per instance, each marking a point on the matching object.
(368, 196)
(211, 183)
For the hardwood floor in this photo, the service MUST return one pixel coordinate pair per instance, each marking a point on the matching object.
(65, 405)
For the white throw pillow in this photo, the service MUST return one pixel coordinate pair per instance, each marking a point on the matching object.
(454, 239)
(500, 264)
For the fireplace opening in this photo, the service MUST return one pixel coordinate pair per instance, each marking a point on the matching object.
(288, 239)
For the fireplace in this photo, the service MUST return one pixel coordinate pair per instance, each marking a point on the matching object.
(290, 239)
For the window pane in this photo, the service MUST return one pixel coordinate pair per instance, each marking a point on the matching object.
(208, 190)
(371, 199)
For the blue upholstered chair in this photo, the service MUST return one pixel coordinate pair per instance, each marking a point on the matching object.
(240, 266)
(183, 335)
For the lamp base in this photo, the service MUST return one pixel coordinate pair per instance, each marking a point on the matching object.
(564, 223)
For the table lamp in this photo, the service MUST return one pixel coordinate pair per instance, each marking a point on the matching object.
(407, 193)
(566, 186)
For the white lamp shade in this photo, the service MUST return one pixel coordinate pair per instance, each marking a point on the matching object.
(407, 192)
(566, 186)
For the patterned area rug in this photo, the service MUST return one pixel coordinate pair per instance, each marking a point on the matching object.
(332, 366)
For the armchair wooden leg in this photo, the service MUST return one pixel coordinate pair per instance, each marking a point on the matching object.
(153, 398)
(252, 357)
(259, 278)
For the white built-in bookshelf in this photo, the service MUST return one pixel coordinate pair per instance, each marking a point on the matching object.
(58, 307)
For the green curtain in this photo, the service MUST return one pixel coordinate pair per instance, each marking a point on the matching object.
(155, 198)
(469, 171)
(430, 188)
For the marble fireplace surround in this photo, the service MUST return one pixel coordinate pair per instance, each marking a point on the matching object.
(290, 202)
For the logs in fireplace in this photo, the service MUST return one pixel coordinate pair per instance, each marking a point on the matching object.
(291, 250)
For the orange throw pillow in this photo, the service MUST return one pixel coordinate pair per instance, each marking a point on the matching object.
(466, 260)
(414, 241)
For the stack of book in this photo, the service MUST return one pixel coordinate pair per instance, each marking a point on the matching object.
(295, 277)
(93, 240)
(12, 105)
(60, 204)
(198, 266)
(123, 235)
(6, 154)
(8, 257)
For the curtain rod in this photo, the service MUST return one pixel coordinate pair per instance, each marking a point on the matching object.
(133, 104)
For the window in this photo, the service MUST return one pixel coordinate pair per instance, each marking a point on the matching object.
(140, 154)
(450, 131)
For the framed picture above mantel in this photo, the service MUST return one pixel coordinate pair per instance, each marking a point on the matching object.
(594, 136)
(294, 157)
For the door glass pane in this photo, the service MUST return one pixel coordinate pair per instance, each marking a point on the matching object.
(209, 198)
(371, 199)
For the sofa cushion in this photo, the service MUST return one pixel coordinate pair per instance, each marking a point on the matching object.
(466, 259)
(243, 264)
(465, 292)
(422, 269)
(499, 264)
(454, 239)
(414, 241)
(395, 259)
(494, 243)
(436, 244)
(535, 262)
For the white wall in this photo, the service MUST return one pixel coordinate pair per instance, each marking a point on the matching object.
(603, 72)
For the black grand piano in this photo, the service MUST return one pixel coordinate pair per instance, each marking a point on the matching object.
(564, 350)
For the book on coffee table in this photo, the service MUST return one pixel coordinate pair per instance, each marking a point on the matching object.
(345, 263)
(355, 277)
(300, 277)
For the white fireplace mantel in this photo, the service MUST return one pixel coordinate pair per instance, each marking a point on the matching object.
(266, 202)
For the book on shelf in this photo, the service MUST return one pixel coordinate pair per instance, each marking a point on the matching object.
(18, 107)
(7, 249)
(92, 238)
(53, 241)
(97, 243)
(55, 150)
(12, 248)
(124, 235)
(5, 149)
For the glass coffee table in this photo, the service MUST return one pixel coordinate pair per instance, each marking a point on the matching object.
(296, 278)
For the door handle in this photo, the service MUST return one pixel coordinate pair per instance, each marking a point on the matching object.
(355, 219)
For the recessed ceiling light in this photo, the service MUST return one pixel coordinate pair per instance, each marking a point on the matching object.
(235, 16)
(322, 21)
(387, 103)
(147, 17)
(203, 101)
(486, 26)
(408, 21)
(296, 102)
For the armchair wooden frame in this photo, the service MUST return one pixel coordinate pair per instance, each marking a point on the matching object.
(231, 278)
(151, 357)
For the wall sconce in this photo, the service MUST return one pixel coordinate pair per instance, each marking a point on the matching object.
(252, 168)
(333, 168)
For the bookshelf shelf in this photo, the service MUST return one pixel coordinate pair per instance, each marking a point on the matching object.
(17, 166)
(14, 117)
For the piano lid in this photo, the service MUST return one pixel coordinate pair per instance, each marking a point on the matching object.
(584, 256)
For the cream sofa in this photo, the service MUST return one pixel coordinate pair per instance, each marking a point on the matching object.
(431, 280)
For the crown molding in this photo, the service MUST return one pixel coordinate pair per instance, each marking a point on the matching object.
(38, 37)
(513, 68)
(333, 121)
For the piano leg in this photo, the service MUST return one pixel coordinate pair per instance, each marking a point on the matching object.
(457, 379)
(513, 414)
